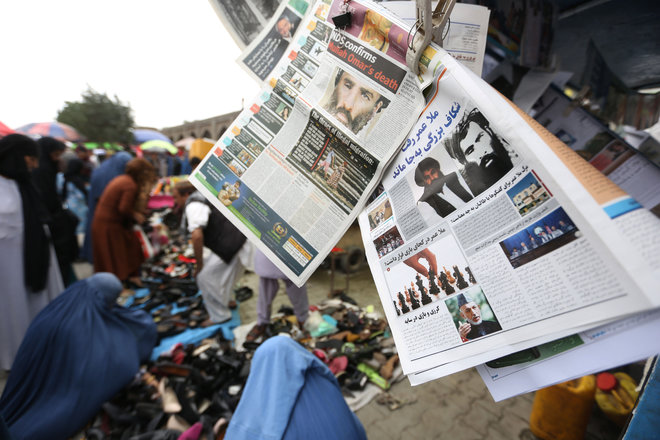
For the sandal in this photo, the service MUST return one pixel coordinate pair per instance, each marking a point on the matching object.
(243, 293)
(256, 332)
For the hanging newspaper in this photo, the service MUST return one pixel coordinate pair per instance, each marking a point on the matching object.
(491, 236)
(602, 348)
(465, 37)
(244, 19)
(275, 40)
(298, 163)
(596, 143)
(611, 345)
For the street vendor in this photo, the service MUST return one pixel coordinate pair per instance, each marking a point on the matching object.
(220, 249)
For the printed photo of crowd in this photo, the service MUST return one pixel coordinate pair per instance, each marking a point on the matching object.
(388, 242)
(429, 275)
(551, 232)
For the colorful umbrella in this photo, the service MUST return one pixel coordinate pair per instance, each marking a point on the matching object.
(57, 130)
(159, 146)
(4, 130)
(103, 145)
(142, 135)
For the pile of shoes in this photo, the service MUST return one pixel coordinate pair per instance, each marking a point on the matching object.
(174, 304)
(354, 343)
(187, 389)
(195, 388)
(175, 260)
(361, 350)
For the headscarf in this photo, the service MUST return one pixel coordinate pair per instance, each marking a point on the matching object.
(36, 254)
(108, 170)
(45, 176)
(141, 171)
(74, 174)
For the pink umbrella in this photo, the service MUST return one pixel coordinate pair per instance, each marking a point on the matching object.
(4, 130)
(57, 130)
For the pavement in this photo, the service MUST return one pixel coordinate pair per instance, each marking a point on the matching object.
(457, 407)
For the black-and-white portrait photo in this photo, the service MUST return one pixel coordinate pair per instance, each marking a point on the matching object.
(481, 154)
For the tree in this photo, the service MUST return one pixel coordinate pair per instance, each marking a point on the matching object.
(99, 118)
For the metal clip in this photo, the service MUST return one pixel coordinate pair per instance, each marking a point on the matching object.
(429, 26)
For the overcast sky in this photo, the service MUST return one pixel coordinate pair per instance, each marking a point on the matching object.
(170, 60)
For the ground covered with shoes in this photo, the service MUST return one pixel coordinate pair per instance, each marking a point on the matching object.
(197, 372)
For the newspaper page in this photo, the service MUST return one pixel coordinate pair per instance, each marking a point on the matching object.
(488, 235)
(298, 163)
(602, 148)
(466, 36)
(273, 42)
(244, 19)
(614, 343)
(589, 352)
(639, 228)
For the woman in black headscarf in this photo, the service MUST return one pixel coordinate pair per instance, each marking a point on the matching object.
(28, 269)
(45, 176)
(73, 191)
(62, 223)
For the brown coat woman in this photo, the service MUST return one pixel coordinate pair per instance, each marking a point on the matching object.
(115, 246)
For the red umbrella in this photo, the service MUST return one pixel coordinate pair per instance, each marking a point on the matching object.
(57, 130)
(4, 130)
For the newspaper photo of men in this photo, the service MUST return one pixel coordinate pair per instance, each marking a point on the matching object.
(380, 214)
(541, 237)
(389, 241)
(442, 189)
(352, 102)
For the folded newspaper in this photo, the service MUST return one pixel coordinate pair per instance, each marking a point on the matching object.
(244, 19)
(297, 165)
(491, 236)
(611, 345)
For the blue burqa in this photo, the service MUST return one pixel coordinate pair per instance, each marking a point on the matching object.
(101, 176)
(290, 394)
(79, 351)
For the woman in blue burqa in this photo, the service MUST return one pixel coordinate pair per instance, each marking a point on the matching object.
(77, 354)
(109, 169)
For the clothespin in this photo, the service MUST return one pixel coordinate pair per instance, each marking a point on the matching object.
(429, 26)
